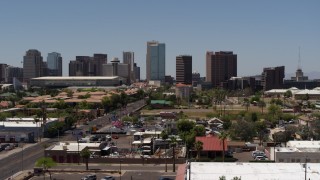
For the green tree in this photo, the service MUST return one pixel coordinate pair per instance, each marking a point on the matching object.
(261, 127)
(85, 154)
(288, 94)
(254, 117)
(164, 135)
(223, 136)
(261, 104)
(274, 110)
(279, 137)
(226, 124)
(254, 99)
(60, 104)
(199, 130)
(46, 163)
(184, 125)
(242, 129)
(198, 146)
(236, 178)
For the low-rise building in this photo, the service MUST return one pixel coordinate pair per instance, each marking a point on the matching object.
(299, 152)
(212, 146)
(248, 171)
(26, 125)
(183, 91)
(69, 152)
(62, 82)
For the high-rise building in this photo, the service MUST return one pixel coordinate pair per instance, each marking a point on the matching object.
(3, 68)
(156, 61)
(117, 69)
(299, 76)
(195, 78)
(13, 72)
(128, 58)
(33, 65)
(136, 72)
(88, 66)
(184, 69)
(54, 64)
(272, 78)
(220, 67)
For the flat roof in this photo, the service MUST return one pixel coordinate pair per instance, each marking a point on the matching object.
(73, 146)
(252, 171)
(76, 78)
(147, 133)
(304, 144)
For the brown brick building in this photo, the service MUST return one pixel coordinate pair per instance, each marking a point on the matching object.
(272, 78)
(184, 69)
(220, 67)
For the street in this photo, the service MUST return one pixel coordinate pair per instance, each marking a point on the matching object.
(26, 159)
(132, 171)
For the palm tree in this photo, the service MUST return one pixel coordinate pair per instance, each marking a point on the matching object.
(198, 146)
(85, 154)
(46, 163)
(261, 104)
(37, 120)
(223, 136)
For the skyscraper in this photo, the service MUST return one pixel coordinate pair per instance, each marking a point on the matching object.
(33, 65)
(117, 69)
(128, 58)
(184, 69)
(220, 66)
(3, 68)
(156, 61)
(272, 78)
(13, 73)
(136, 72)
(87, 66)
(54, 63)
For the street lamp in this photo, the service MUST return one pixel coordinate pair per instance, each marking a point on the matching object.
(120, 168)
(21, 145)
(165, 156)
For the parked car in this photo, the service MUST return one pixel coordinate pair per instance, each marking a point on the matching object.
(261, 158)
(259, 154)
(165, 178)
(90, 177)
(108, 178)
(8, 148)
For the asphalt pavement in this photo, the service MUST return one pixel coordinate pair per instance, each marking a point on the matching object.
(16, 160)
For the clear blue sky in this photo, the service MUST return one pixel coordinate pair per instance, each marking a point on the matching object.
(262, 33)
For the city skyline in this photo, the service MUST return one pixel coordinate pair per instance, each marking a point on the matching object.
(262, 34)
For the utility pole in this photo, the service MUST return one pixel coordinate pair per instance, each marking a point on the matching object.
(174, 159)
(189, 170)
(305, 169)
(165, 156)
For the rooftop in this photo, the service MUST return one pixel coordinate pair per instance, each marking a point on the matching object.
(76, 78)
(72, 146)
(211, 143)
(253, 171)
(304, 144)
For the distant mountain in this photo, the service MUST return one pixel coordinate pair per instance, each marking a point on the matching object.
(311, 75)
